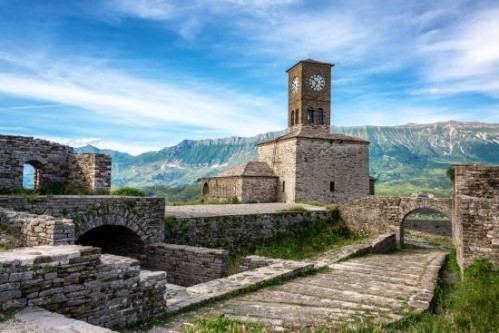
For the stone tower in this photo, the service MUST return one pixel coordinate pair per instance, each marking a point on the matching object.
(309, 95)
(309, 161)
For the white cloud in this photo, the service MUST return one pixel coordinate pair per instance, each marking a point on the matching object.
(130, 147)
(145, 9)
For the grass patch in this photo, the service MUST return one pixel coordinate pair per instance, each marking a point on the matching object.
(128, 192)
(405, 190)
(310, 202)
(296, 208)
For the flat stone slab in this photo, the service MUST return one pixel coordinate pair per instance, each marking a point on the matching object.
(38, 320)
(193, 211)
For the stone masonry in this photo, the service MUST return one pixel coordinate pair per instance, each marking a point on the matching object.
(143, 216)
(55, 165)
(187, 265)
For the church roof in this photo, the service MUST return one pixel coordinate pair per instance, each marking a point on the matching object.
(249, 169)
(313, 133)
(310, 60)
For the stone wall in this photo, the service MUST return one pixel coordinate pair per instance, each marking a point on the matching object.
(222, 189)
(36, 230)
(331, 171)
(241, 231)
(281, 157)
(144, 216)
(432, 227)
(187, 265)
(259, 189)
(79, 282)
(55, 165)
(476, 213)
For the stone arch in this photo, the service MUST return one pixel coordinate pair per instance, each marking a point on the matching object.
(113, 239)
(410, 205)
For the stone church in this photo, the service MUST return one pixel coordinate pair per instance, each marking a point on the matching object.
(307, 163)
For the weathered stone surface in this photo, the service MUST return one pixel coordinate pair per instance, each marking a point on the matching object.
(55, 165)
(187, 265)
(144, 216)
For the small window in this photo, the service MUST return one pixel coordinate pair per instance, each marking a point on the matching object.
(292, 118)
(310, 116)
(297, 116)
(320, 116)
(283, 186)
(331, 186)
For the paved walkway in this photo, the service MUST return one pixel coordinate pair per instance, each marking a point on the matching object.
(189, 211)
(381, 287)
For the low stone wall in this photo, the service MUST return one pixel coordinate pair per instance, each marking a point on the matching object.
(187, 265)
(240, 231)
(432, 227)
(144, 216)
(78, 281)
(38, 229)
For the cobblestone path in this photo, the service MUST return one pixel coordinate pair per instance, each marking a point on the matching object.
(381, 287)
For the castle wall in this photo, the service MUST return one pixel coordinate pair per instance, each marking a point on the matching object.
(55, 165)
(78, 281)
(476, 213)
(281, 157)
(241, 231)
(187, 265)
(144, 216)
(321, 162)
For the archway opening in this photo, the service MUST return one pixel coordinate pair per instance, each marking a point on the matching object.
(114, 239)
(31, 175)
(206, 189)
(426, 226)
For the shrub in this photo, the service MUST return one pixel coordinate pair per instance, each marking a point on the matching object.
(129, 191)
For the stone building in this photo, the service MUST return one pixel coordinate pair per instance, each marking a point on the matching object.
(54, 165)
(308, 163)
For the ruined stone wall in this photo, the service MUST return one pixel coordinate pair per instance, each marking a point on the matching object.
(187, 265)
(144, 216)
(91, 171)
(476, 213)
(36, 230)
(242, 231)
(259, 189)
(55, 165)
(77, 281)
(281, 157)
(51, 159)
(324, 164)
(223, 189)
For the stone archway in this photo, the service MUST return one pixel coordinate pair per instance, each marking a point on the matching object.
(32, 169)
(114, 239)
(426, 224)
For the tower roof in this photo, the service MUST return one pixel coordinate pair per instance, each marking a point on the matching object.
(311, 61)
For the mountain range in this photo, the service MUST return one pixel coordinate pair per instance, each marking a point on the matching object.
(404, 158)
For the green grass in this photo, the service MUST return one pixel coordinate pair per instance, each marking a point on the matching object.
(404, 190)
(129, 191)
(296, 208)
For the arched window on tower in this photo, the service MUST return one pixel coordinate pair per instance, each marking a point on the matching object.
(320, 116)
(297, 117)
(310, 115)
(292, 118)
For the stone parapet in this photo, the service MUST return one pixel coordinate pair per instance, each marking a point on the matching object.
(187, 265)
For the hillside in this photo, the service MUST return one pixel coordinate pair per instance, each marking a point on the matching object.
(406, 157)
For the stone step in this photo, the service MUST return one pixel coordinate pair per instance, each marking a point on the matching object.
(375, 270)
(372, 274)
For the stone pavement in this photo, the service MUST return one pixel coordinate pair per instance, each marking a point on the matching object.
(380, 287)
(192, 211)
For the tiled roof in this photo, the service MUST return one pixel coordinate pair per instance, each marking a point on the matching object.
(315, 133)
(249, 169)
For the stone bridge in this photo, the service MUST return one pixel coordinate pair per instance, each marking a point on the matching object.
(375, 214)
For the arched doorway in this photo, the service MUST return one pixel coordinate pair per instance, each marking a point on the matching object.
(426, 225)
(31, 175)
(206, 189)
(114, 239)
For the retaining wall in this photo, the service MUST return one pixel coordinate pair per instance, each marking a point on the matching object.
(187, 265)
(78, 281)
(240, 231)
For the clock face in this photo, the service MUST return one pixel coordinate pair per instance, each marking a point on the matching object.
(295, 84)
(316, 82)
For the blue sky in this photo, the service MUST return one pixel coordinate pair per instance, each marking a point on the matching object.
(139, 75)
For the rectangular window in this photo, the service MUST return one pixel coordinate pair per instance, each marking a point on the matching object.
(331, 186)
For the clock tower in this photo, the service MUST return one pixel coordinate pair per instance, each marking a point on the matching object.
(309, 95)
